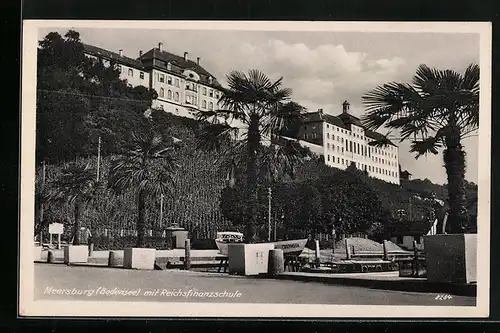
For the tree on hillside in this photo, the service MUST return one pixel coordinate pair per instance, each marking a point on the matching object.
(78, 187)
(144, 168)
(264, 108)
(438, 110)
(79, 99)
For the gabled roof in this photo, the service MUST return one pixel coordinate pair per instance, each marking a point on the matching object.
(179, 65)
(349, 119)
(102, 53)
(344, 120)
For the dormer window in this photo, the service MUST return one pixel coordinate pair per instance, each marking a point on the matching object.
(210, 80)
(169, 66)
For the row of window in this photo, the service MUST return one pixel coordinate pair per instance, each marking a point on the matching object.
(193, 100)
(189, 85)
(359, 149)
(359, 136)
(362, 166)
(374, 158)
(131, 72)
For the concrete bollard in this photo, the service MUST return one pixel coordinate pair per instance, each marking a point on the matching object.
(51, 258)
(113, 259)
(386, 253)
(276, 263)
(187, 255)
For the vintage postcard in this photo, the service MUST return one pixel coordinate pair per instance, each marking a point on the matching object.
(255, 169)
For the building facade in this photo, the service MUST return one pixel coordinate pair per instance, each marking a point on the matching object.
(183, 86)
(343, 140)
(131, 70)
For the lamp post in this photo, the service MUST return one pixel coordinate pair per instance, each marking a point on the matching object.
(161, 210)
(98, 157)
(269, 214)
(41, 203)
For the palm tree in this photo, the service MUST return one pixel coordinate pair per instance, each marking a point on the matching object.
(438, 110)
(76, 186)
(263, 109)
(145, 168)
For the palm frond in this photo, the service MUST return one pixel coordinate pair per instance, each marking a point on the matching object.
(426, 79)
(215, 136)
(281, 159)
(146, 167)
(470, 80)
(383, 141)
(385, 102)
(425, 146)
(284, 117)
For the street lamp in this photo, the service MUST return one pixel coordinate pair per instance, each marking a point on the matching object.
(269, 214)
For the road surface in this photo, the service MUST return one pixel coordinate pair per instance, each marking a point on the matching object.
(61, 282)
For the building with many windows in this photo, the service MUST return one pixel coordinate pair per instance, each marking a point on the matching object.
(343, 140)
(130, 69)
(184, 87)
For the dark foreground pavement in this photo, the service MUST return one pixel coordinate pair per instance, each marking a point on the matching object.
(56, 281)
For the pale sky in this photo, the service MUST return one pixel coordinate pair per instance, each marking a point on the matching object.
(322, 68)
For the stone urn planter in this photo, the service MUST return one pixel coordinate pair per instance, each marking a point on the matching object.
(451, 258)
(139, 258)
(76, 254)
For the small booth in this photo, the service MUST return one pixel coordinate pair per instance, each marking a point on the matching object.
(176, 237)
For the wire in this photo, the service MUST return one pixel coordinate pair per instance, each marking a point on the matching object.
(91, 96)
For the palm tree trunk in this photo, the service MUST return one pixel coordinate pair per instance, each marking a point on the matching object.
(141, 223)
(251, 173)
(454, 161)
(76, 239)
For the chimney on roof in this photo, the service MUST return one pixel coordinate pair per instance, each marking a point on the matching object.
(185, 56)
(320, 111)
(160, 46)
(121, 52)
(198, 60)
(345, 107)
(140, 53)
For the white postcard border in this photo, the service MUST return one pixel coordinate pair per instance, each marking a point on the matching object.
(29, 307)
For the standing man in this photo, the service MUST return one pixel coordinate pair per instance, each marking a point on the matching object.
(86, 239)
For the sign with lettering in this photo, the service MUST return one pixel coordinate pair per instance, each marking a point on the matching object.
(56, 228)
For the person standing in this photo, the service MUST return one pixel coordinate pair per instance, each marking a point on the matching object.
(86, 239)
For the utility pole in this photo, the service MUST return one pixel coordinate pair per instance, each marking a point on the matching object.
(410, 209)
(98, 157)
(269, 215)
(161, 210)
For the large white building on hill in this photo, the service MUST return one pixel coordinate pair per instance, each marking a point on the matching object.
(343, 140)
(184, 87)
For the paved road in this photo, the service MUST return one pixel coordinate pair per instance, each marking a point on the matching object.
(95, 283)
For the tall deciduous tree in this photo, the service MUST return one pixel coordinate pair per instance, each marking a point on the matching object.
(264, 109)
(438, 110)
